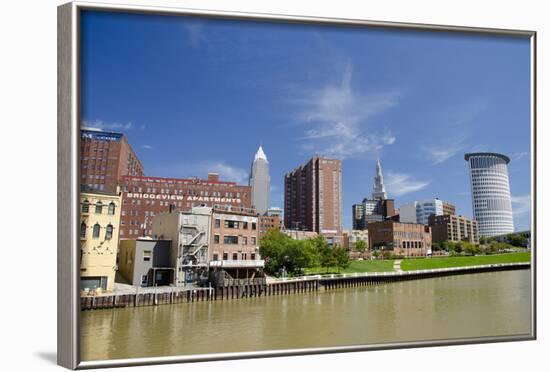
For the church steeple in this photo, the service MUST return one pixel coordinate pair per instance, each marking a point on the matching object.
(378, 190)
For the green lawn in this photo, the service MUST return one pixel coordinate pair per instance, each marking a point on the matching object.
(442, 262)
(356, 267)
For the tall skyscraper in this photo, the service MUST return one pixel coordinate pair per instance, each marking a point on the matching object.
(260, 182)
(377, 208)
(313, 198)
(379, 190)
(491, 199)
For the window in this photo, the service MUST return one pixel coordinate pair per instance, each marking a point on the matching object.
(98, 207)
(215, 257)
(235, 257)
(109, 232)
(217, 222)
(217, 239)
(230, 239)
(243, 256)
(111, 209)
(245, 240)
(85, 206)
(95, 233)
(253, 239)
(225, 256)
(231, 224)
(245, 225)
(252, 256)
(146, 255)
(253, 225)
(83, 229)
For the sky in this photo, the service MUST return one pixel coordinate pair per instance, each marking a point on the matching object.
(197, 95)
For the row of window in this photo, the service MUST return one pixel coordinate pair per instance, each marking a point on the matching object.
(98, 207)
(233, 239)
(96, 231)
(234, 256)
(231, 224)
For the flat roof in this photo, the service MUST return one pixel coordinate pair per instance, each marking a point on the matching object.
(471, 154)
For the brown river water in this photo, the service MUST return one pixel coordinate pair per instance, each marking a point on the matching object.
(473, 305)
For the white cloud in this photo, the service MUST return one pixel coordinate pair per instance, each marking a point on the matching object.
(226, 171)
(452, 127)
(101, 125)
(147, 147)
(441, 154)
(520, 155)
(400, 184)
(337, 116)
(201, 169)
(521, 204)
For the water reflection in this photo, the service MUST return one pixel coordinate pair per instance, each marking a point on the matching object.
(476, 305)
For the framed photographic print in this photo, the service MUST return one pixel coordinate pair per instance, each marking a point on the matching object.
(238, 185)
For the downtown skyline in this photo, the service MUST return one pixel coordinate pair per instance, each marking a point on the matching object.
(415, 100)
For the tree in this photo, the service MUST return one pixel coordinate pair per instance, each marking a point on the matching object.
(327, 258)
(341, 257)
(360, 245)
(517, 240)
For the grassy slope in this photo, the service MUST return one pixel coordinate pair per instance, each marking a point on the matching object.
(356, 267)
(436, 263)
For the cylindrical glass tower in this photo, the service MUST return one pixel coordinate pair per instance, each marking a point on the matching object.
(490, 186)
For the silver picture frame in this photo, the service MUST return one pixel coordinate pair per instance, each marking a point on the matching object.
(68, 305)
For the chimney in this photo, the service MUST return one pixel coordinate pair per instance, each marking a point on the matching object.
(213, 177)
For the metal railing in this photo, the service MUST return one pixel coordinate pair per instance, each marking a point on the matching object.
(398, 273)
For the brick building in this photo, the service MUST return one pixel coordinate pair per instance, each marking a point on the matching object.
(235, 243)
(267, 223)
(453, 228)
(407, 239)
(144, 197)
(313, 198)
(105, 157)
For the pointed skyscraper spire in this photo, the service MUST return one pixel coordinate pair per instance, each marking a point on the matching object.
(260, 181)
(378, 190)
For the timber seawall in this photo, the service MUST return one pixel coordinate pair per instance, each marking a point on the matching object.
(242, 288)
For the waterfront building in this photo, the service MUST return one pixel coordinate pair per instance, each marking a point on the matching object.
(105, 157)
(453, 228)
(300, 234)
(190, 236)
(144, 197)
(420, 211)
(146, 262)
(376, 208)
(353, 236)
(260, 182)
(313, 198)
(398, 238)
(235, 244)
(99, 226)
(267, 223)
(490, 188)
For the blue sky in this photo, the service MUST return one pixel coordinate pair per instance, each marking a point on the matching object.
(196, 95)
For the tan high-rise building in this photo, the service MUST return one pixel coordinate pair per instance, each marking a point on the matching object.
(99, 226)
(453, 228)
(313, 198)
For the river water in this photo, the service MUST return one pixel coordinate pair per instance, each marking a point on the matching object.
(473, 305)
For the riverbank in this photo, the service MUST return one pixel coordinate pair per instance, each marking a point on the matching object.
(461, 261)
(371, 266)
(243, 288)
